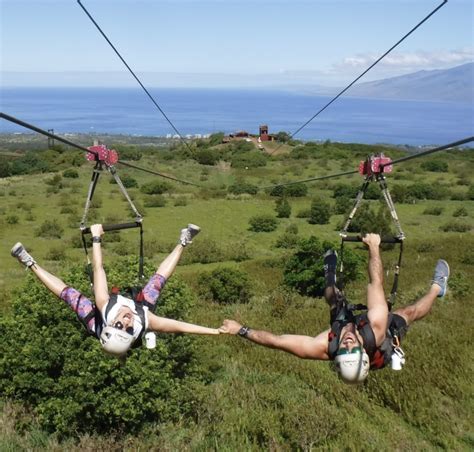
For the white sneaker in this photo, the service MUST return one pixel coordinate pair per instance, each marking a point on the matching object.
(187, 234)
(22, 255)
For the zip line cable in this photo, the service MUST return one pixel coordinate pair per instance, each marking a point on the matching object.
(363, 73)
(134, 75)
(403, 159)
(82, 148)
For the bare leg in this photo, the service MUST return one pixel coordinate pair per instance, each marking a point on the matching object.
(168, 266)
(51, 282)
(421, 308)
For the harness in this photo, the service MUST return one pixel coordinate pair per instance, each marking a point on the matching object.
(379, 356)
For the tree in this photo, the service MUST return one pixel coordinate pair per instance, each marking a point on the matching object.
(283, 208)
(225, 285)
(320, 212)
(54, 367)
(304, 271)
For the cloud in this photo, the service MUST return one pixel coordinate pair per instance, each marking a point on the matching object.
(406, 62)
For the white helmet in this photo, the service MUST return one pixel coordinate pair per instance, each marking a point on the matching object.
(353, 367)
(114, 341)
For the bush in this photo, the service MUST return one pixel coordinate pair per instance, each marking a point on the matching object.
(155, 201)
(225, 285)
(251, 159)
(436, 166)
(207, 156)
(71, 173)
(460, 212)
(298, 190)
(54, 367)
(263, 223)
(155, 188)
(50, 229)
(455, 226)
(304, 270)
(241, 187)
(433, 211)
(343, 206)
(320, 212)
(366, 220)
(127, 181)
(305, 213)
(181, 201)
(283, 208)
(56, 254)
(12, 219)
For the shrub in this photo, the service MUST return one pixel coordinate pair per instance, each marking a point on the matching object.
(366, 220)
(287, 240)
(304, 270)
(155, 201)
(203, 251)
(56, 254)
(225, 285)
(283, 208)
(207, 156)
(455, 226)
(305, 213)
(241, 187)
(12, 219)
(342, 190)
(298, 190)
(433, 211)
(53, 366)
(68, 209)
(459, 284)
(460, 212)
(50, 229)
(127, 181)
(251, 159)
(320, 212)
(181, 201)
(155, 188)
(436, 166)
(71, 173)
(263, 223)
(343, 206)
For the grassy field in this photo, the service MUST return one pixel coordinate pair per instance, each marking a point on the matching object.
(258, 398)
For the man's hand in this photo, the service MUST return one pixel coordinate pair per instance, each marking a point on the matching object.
(97, 230)
(230, 327)
(372, 240)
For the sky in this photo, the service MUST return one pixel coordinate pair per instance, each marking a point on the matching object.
(224, 42)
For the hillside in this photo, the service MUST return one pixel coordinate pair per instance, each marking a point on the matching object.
(449, 85)
(220, 392)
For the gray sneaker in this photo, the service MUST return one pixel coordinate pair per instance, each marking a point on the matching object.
(22, 255)
(187, 234)
(440, 277)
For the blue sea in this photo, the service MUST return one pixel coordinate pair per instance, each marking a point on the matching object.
(205, 111)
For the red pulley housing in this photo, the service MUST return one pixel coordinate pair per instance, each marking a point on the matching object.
(100, 153)
(375, 164)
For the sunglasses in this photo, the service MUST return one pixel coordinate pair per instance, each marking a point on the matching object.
(119, 326)
(345, 351)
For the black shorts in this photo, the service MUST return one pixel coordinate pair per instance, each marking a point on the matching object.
(397, 325)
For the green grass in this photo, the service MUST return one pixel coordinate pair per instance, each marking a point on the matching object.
(260, 399)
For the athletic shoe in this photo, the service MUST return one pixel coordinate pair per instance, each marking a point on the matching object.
(330, 264)
(187, 234)
(22, 255)
(440, 277)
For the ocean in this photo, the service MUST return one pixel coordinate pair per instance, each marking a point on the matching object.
(204, 111)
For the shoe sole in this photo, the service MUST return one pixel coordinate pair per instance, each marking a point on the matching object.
(15, 250)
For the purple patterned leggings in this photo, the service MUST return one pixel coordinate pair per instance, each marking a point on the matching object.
(86, 309)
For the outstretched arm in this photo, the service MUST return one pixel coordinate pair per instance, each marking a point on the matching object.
(305, 347)
(377, 309)
(164, 325)
(101, 292)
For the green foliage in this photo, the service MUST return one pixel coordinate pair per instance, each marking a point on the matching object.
(263, 223)
(423, 190)
(56, 254)
(207, 156)
(460, 212)
(367, 220)
(455, 226)
(50, 229)
(343, 206)
(304, 270)
(250, 159)
(127, 152)
(51, 364)
(289, 239)
(226, 285)
(12, 219)
(155, 201)
(320, 212)
(180, 201)
(283, 137)
(437, 166)
(282, 208)
(342, 190)
(127, 181)
(241, 187)
(155, 188)
(298, 190)
(71, 173)
(433, 211)
(216, 138)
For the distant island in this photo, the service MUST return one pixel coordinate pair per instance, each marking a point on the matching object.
(450, 85)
